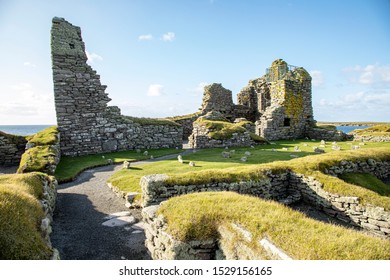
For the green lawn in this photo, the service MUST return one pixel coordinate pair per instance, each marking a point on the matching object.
(211, 159)
(70, 167)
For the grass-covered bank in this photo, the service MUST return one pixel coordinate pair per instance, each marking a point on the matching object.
(69, 167)
(212, 166)
(198, 217)
(20, 217)
(42, 156)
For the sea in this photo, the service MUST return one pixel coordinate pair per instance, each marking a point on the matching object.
(349, 128)
(23, 130)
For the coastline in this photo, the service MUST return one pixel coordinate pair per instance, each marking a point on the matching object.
(350, 123)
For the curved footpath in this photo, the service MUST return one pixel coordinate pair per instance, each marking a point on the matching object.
(83, 227)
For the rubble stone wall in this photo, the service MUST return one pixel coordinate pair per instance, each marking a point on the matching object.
(12, 148)
(86, 124)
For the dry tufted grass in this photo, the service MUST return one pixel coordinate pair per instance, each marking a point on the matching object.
(20, 217)
(198, 216)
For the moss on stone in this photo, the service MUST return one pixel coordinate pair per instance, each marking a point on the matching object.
(38, 158)
(150, 121)
(48, 136)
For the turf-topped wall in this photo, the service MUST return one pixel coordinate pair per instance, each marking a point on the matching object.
(26, 210)
(288, 187)
(42, 152)
(11, 149)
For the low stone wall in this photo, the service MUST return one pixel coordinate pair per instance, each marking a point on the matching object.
(163, 246)
(370, 138)
(48, 202)
(273, 186)
(199, 139)
(327, 135)
(50, 167)
(287, 188)
(11, 149)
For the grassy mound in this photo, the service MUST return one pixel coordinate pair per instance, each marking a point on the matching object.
(20, 217)
(42, 155)
(376, 130)
(367, 181)
(198, 216)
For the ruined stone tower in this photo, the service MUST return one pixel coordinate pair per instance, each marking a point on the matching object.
(285, 106)
(280, 102)
(87, 125)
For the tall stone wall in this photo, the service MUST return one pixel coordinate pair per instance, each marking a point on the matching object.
(86, 123)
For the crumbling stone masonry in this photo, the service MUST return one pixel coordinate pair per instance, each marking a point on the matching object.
(86, 124)
(11, 149)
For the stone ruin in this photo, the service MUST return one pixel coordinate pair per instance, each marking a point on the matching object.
(278, 104)
(86, 123)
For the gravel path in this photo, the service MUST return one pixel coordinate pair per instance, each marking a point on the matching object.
(82, 206)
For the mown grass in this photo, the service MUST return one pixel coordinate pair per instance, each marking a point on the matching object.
(212, 167)
(69, 167)
(20, 217)
(198, 216)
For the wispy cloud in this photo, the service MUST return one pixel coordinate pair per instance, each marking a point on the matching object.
(93, 57)
(155, 90)
(368, 75)
(198, 89)
(168, 37)
(145, 37)
(359, 100)
(29, 64)
(317, 78)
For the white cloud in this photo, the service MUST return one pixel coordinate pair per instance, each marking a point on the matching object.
(155, 90)
(370, 74)
(29, 64)
(168, 37)
(24, 104)
(93, 57)
(317, 78)
(145, 37)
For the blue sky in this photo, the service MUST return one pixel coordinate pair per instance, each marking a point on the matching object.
(155, 56)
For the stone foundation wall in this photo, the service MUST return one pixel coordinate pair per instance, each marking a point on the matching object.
(327, 135)
(287, 188)
(370, 138)
(11, 149)
(48, 202)
(273, 186)
(199, 139)
(162, 246)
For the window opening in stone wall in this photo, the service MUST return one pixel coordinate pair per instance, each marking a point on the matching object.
(286, 122)
(71, 45)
